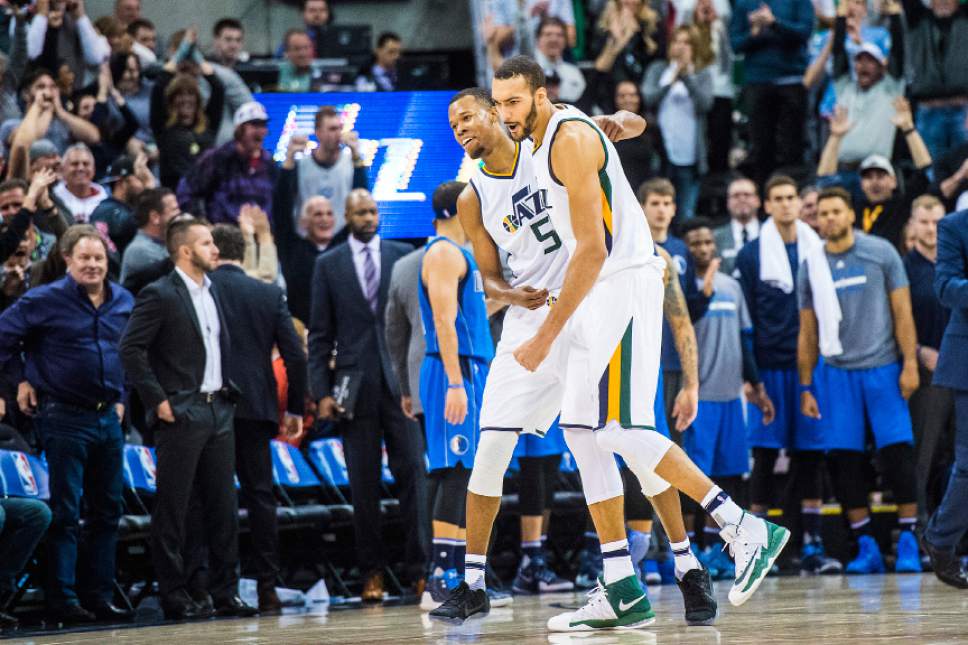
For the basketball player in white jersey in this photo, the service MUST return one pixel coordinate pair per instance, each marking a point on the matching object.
(608, 318)
(503, 207)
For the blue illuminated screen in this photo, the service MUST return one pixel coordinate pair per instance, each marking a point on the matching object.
(405, 140)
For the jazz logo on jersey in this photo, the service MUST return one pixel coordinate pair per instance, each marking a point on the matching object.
(525, 205)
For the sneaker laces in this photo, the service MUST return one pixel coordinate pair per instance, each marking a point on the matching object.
(457, 596)
(596, 607)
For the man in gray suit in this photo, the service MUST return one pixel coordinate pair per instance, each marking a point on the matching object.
(743, 204)
(404, 331)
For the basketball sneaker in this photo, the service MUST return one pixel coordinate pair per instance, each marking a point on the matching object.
(814, 560)
(499, 598)
(908, 557)
(650, 572)
(462, 603)
(439, 586)
(869, 558)
(755, 545)
(620, 605)
(697, 596)
(537, 577)
(589, 568)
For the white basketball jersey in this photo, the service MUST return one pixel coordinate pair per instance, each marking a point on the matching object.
(627, 234)
(516, 214)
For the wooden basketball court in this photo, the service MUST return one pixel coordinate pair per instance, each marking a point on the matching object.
(814, 611)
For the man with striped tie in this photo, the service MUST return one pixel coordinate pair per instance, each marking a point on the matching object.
(349, 296)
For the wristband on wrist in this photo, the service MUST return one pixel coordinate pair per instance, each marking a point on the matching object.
(804, 388)
(908, 131)
(454, 386)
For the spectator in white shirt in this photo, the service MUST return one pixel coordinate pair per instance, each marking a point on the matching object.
(76, 44)
(78, 192)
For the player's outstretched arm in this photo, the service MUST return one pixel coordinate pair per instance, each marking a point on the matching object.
(488, 260)
(577, 155)
(808, 349)
(621, 125)
(443, 268)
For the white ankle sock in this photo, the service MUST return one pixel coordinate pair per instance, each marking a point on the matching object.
(722, 508)
(685, 560)
(474, 570)
(616, 562)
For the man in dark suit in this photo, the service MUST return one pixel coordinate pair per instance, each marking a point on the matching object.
(349, 296)
(949, 522)
(175, 351)
(260, 320)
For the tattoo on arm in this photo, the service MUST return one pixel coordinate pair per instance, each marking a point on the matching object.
(677, 314)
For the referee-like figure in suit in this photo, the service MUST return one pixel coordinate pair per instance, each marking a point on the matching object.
(948, 525)
(175, 351)
(260, 320)
(349, 295)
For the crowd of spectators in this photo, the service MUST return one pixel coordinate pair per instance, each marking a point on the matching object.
(113, 133)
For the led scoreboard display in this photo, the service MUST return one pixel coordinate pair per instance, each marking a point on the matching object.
(405, 141)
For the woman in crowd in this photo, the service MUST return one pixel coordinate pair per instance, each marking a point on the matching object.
(681, 91)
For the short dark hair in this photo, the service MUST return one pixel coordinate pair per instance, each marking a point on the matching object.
(522, 66)
(227, 23)
(140, 23)
(776, 181)
(33, 76)
(230, 242)
(151, 199)
(13, 184)
(75, 234)
(324, 112)
(445, 196)
(177, 232)
(695, 223)
(292, 32)
(836, 192)
(386, 37)
(656, 186)
(550, 21)
(483, 96)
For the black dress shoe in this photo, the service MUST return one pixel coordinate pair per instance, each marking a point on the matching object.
(947, 566)
(234, 606)
(269, 602)
(109, 612)
(180, 606)
(204, 601)
(73, 615)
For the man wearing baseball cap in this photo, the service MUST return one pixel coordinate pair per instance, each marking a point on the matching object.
(871, 109)
(233, 174)
(127, 178)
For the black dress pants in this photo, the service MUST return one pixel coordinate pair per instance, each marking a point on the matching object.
(253, 464)
(382, 421)
(777, 116)
(196, 454)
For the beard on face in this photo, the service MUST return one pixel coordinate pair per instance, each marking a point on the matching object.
(200, 262)
(527, 128)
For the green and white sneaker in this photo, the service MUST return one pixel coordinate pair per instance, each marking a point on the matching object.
(755, 545)
(620, 605)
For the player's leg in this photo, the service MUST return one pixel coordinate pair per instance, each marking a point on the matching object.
(766, 440)
(890, 420)
(531, 506)
(638, 521)
(448, 535)
(554, 445)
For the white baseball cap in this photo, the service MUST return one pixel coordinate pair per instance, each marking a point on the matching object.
(251, 111)
(872, 50)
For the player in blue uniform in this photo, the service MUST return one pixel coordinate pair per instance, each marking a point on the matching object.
(459, 348)
(769, 284)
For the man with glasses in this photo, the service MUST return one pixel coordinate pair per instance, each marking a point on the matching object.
(743, 204)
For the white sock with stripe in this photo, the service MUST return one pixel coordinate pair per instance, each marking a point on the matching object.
(616, 561)
(474, 570)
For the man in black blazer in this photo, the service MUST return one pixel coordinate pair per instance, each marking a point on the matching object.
(176, 352)
(260, 320)
(349, 295)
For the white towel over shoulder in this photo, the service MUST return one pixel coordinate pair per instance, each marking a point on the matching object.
(774, 263)
(825, 303)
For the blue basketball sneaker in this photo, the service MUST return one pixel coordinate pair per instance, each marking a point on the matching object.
(650, 572)
(869, 558)
(908, 557)
(814, 560)
(638, 548)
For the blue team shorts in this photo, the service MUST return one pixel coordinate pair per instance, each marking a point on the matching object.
(789, 429)
(716, 442)
(845, 396)
(449, 445)
(531, 445)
